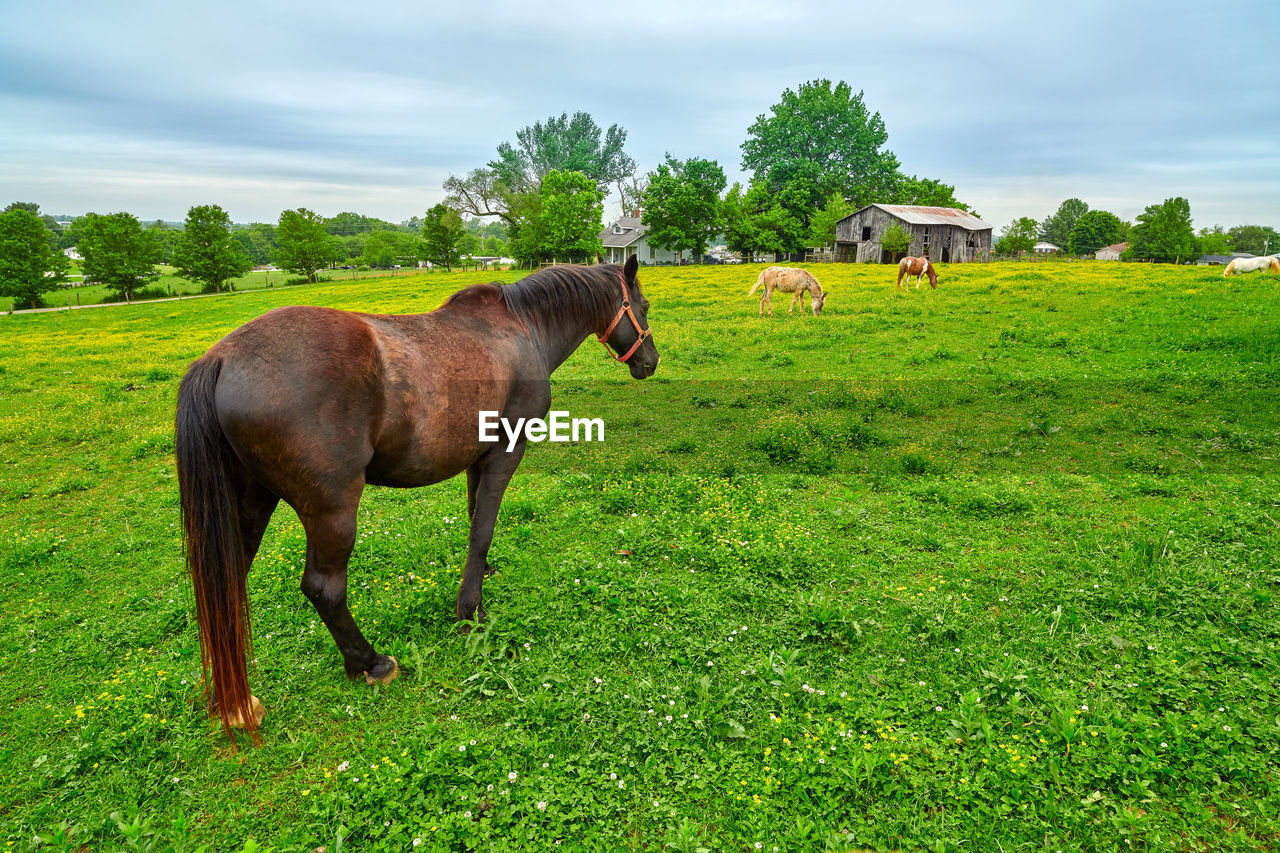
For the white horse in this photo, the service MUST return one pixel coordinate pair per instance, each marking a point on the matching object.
(1243, 265)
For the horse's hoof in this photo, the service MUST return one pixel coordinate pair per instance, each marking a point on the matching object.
(372, 677)
(256, 711)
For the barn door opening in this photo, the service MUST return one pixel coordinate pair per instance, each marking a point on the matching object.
(946, 254)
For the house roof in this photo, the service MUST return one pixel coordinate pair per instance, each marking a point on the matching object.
(920, 215)
(623, 232)
(1043, 245)
(1222, 259)
(1115, 247)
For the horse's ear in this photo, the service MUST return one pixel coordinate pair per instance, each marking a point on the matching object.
(633, 264)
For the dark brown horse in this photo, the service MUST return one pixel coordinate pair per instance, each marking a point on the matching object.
(308, 405)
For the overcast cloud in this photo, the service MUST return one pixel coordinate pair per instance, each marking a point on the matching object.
(153, 107)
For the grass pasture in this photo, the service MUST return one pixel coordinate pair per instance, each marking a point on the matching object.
(990, 567)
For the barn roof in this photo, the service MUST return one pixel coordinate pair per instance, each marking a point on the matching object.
(919, 215)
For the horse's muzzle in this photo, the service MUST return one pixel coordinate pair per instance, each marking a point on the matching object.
(643, 364)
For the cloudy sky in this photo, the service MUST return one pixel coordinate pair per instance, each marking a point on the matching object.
(153, 107)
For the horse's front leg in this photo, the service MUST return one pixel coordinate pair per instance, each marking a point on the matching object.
(794, 297)
(487, 482)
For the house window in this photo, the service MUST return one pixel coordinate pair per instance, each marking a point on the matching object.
(866, 232)
(652, 253)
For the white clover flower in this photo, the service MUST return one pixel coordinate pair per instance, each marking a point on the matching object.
(542, 805)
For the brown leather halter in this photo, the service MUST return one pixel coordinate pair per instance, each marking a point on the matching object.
(641, 334)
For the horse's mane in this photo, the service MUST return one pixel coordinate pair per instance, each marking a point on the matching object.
(577, 294)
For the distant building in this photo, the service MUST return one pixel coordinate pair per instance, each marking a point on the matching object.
(945, 234)
(625, 236)
(1043, 248)
(1217, 260)
(1110, 253)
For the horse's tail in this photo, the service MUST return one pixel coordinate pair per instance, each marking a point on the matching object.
(759, 281)
(215, 549)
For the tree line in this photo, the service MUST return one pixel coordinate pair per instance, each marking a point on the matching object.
(818, 155)
(119, 252)
(1162, 232)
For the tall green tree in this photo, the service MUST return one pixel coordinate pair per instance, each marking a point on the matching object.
(926, 192)
(303, 245)
(819, 140)
(760, 222)
(51, 224)
(1094, 230)
(1163, 233)
(508, 186)
(258, 241)
(442, 230)
(1255, 239)
(385, 248)
(682, 204)
(1056, 228)
(29, 265)
(206, 253)
(822, 225)
(570, 217)
(1214, 241)
(1018, 236)
(564, 144)
(895, 240)
(118, 252)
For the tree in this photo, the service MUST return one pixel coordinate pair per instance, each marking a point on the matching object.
(1214, 241)
(205, 252)
(50, 224)
(1056, 229)
(895, 240)
(507, 186)
(441, 231)
(303, 245)
(564, 144)
(566, 220)
(821, 140)
(1255, 239)
(1163, 232)
(1094, 230)
(822, 225)
(258, 241)
(29, 266)
(682, 204)
(1018, 236)
(759, 222)
(926, 192)
(118, 252)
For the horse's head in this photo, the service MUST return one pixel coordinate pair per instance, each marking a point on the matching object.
(818, 302)
(932, 272)
(629, 334)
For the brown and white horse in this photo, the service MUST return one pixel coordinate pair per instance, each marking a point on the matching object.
(918, 267)
(789, 280)
(1243, 265)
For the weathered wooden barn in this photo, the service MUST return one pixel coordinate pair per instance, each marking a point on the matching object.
(945, 234)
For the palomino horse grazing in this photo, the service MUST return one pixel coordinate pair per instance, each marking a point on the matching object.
(789, 280)
(308, 405)
(1243, 265)
(918, 267)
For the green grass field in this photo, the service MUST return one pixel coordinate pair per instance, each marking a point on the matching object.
(990, 567)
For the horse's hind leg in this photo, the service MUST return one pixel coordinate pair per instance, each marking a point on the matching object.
(331, 534)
